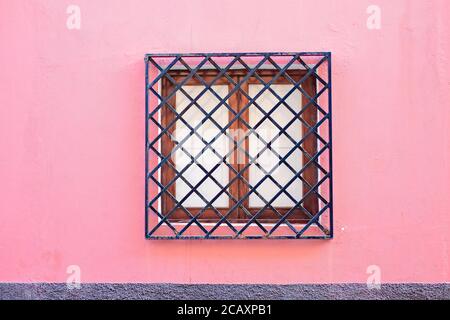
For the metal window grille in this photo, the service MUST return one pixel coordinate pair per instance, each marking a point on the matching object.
(316, 223)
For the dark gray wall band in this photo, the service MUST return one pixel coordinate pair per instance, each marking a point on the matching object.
(204, 291)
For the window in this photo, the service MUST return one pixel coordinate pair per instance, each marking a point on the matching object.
(238, 146)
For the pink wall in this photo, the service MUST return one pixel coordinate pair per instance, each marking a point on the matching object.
(72, 137)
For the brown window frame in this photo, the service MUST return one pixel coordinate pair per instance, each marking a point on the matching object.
(239, 188)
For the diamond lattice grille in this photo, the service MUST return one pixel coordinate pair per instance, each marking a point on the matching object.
(238, 146)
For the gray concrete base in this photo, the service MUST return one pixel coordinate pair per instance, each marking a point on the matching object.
(226, 292)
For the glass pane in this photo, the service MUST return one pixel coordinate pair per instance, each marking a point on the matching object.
(194, 145)
(281, 145)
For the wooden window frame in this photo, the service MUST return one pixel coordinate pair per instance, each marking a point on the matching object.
(239, 188)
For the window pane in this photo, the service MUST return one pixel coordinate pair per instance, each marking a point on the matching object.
(194, 145)
(282, 145)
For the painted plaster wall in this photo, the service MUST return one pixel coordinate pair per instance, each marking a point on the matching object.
(72, 137)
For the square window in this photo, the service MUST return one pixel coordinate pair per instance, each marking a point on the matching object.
(238, 146)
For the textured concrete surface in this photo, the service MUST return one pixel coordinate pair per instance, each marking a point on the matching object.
(57, 291)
